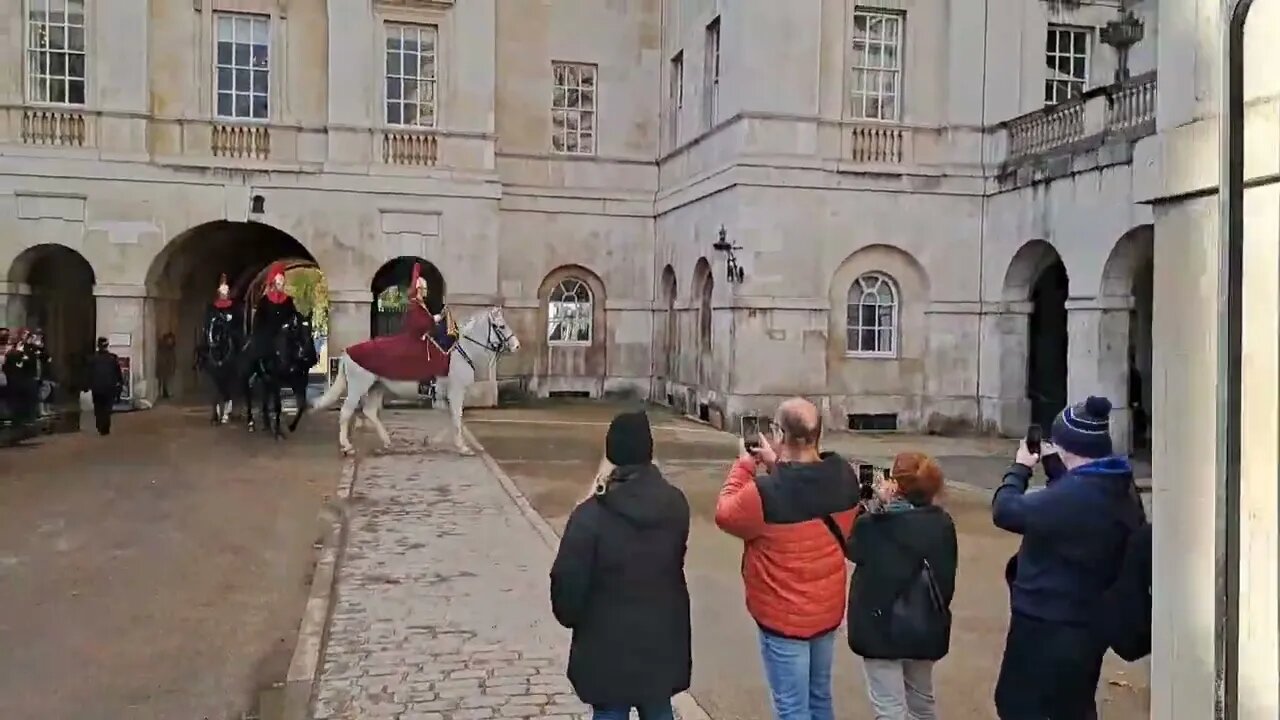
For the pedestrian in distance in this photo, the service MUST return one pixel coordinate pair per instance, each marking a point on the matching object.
(106, 383)
(166, 363)
(793, 505)
(905, 555)
(1075, 533)
(618, 582)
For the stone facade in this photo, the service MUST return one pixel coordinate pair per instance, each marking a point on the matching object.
(946, 193)
(1178, 172)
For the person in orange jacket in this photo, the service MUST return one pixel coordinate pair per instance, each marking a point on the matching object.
(794, 520)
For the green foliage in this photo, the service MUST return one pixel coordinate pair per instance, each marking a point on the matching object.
(393, 299)
(310, 292)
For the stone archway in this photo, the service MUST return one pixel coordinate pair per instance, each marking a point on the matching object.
(1033, 338)
(183, 280)
(1125, 294)
(703, 290)
(670, 329)
(59, 286)
(390, 289)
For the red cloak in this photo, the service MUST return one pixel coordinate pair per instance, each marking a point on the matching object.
(410, 354)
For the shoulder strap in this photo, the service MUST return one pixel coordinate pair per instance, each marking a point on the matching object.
(834, 527)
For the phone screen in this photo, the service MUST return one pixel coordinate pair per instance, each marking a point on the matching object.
(750, 431)
(1034, 436)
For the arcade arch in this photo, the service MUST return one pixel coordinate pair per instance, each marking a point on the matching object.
(572, 320)
(1127, 283)
(670, 327)
(183, 280)
(390, 288)
(1036, 283)
(61, 303)
(703, 290)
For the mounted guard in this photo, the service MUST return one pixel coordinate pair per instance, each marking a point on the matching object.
(218, 349)
(421, 352)
(280, 353)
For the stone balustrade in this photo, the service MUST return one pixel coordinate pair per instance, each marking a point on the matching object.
(54, 127)
(240, 141)
(1127, 108)
(404, 146)
(877, 143)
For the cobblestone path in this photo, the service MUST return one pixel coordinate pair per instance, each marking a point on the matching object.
(441, 609)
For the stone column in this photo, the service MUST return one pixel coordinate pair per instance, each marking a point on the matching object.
(122, 319)
(348, 319)
(1098, 360)
(13, 304)
(1003, 403)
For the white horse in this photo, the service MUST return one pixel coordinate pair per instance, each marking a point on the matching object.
(480, 340)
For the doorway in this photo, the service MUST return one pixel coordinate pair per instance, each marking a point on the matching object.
(1047, 345)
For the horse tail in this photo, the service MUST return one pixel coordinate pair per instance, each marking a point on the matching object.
(335, 390)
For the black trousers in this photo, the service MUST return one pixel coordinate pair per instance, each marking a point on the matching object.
(102, 406)
(1050, 671)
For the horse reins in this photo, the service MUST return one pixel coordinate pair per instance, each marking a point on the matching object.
(488, 344)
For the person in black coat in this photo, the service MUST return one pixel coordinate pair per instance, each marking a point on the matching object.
(618, 582)
(899, 618)
(106, 383)
(1125, 618)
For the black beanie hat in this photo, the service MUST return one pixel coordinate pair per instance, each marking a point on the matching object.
(1084, 429)
(629, 441)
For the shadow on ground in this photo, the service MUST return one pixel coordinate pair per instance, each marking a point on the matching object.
(551, 453)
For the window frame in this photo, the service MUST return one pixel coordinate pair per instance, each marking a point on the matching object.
(593, 112)
(675, 96)
(855, 101)
(853, 321)
(435, 82)
(28, 70)
(591, 309)
(1050, 74)
(253, 17)
(712, 74)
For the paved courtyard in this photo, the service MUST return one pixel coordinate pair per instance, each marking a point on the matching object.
(441, 609)
(159, 573)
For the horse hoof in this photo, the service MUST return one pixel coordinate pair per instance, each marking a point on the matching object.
(467, 452)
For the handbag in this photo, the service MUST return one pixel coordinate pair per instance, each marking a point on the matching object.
(919, 615)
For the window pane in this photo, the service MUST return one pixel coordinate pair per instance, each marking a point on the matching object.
(224, 104)
(57, 64)
(393, 113)
(224, 53)
(260, 107)
(260, 56)
(885, 341)
(242, 80)
(243, 29)
(225, 32)
(260, 28)
(57, 37)
(260, 81)
(57, 91)
(241, 105)
(241, 55)
(867, 341)
(225, 82)
(393, 89)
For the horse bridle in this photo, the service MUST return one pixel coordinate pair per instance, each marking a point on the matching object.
(227, 346)
(496, 342)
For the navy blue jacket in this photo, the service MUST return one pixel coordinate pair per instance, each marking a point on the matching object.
(1074, 533)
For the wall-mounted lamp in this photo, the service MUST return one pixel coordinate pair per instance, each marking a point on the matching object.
(731, 267)
(1122, 34)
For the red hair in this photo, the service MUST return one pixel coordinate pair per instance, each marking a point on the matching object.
(918, 476)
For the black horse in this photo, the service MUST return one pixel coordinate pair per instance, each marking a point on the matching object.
(274, 361)
(218, 354)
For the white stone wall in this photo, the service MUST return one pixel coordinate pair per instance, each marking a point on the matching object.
(781, 166)
(1181, 181)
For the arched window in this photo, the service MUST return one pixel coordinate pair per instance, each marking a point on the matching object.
(569, 313)
(872, 322)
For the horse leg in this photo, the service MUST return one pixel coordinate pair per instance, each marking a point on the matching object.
(300, 396)
(457, 394)
(371, 407)
(278, 401)
(359, 383)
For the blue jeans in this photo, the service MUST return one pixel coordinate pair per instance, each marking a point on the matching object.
(799, 674)
(648, 711)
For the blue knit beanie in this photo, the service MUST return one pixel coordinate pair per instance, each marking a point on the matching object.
(1084, 429)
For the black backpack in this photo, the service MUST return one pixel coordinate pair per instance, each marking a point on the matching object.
(1125, 617)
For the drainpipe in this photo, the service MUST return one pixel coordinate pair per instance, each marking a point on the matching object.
(982, 215)
(1230, 301)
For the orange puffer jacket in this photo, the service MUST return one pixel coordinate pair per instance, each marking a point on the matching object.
(792, 565)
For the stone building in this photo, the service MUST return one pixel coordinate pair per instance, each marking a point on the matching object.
(922, 214)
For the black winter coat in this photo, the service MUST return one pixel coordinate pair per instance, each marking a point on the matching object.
(105, 377)
(618, 582)
(887, 548)
(1126, 606)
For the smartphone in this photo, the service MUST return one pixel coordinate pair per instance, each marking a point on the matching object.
(1034, 436)
(750, 429)
(753, 428)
